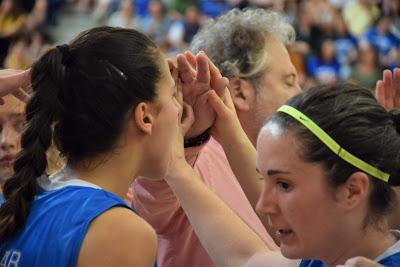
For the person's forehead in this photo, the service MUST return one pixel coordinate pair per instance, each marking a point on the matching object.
(12, 105)
(278, 57)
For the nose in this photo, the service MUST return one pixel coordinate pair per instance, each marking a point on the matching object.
(8, 138)
(267, 204)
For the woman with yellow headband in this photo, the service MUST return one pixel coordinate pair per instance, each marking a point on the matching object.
(329, 159)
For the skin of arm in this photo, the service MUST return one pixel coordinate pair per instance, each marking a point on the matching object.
(118, 237)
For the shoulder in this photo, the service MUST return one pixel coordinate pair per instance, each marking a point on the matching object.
(118, 237)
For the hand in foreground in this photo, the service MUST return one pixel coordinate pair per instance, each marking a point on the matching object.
(15, 82)
(226, 128)
(387, 90)
(186, 118)
(199, 75)
(360, 262)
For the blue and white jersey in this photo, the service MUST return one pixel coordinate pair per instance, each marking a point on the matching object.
(58, 222)
(389, 258)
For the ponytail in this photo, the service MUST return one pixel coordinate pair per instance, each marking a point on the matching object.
(41, 111)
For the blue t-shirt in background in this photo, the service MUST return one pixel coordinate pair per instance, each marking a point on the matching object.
(1, 199)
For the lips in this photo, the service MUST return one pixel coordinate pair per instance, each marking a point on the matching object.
(6, 161)
(283, 233)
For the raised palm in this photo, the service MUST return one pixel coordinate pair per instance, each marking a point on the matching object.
(199, 75)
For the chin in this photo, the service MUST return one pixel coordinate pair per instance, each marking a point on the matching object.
(292, 253)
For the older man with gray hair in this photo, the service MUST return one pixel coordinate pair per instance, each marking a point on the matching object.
(249, 49)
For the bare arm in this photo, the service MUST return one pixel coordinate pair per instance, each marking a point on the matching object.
(118, 237)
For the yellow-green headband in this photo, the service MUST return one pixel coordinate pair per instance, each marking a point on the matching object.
(332, 145)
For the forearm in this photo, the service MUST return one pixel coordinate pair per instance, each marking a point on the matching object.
(227, 239)
(241, 155)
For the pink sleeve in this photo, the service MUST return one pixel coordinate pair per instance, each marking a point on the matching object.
(192, 153)
(156, 203)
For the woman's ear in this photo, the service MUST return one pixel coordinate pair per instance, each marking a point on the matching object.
(355, 191)
(144, 118)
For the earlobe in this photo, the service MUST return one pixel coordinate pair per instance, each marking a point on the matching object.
(143, 118)
(242, 92)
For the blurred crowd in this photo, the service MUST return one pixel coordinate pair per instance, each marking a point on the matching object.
(337, 40)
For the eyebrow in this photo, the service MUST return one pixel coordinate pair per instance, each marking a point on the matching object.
(273, 172)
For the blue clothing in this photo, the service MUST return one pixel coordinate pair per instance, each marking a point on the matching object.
(389, 258)
(1, 199)
(382, 42)
(344, 46)
(56, 227)
(323, 71)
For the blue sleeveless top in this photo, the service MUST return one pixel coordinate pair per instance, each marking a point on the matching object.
(389, 258)
(56, 227)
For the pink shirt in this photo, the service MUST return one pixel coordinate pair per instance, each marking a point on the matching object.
(178, 245)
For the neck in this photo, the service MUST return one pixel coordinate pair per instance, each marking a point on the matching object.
(113, 173)
(249, 128)
(370, 244)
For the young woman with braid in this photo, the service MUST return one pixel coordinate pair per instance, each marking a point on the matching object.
(111, 104)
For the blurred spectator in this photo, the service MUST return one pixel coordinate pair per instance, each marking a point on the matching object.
(37, 17)
(181, 5)
(345, 46)
(307, 30)
(16, 58)
(324, 67)
(53, 7)
(38, 44)
(125, 16)
(12, 22)
(359, 15)
(12, 18)
(183, 30)
(383, 40)
(213, 8)
(156, 24)
(391, 8)
(367, 70)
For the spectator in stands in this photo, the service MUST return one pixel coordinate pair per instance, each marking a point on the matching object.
(324, 67)
(125, 16)
(359, 15)
(157, 22)
(12, 22)
(367, 70)
(383, 40)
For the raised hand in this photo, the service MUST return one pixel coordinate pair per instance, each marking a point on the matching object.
(387, 90)
(199, 75)
(15, 82)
